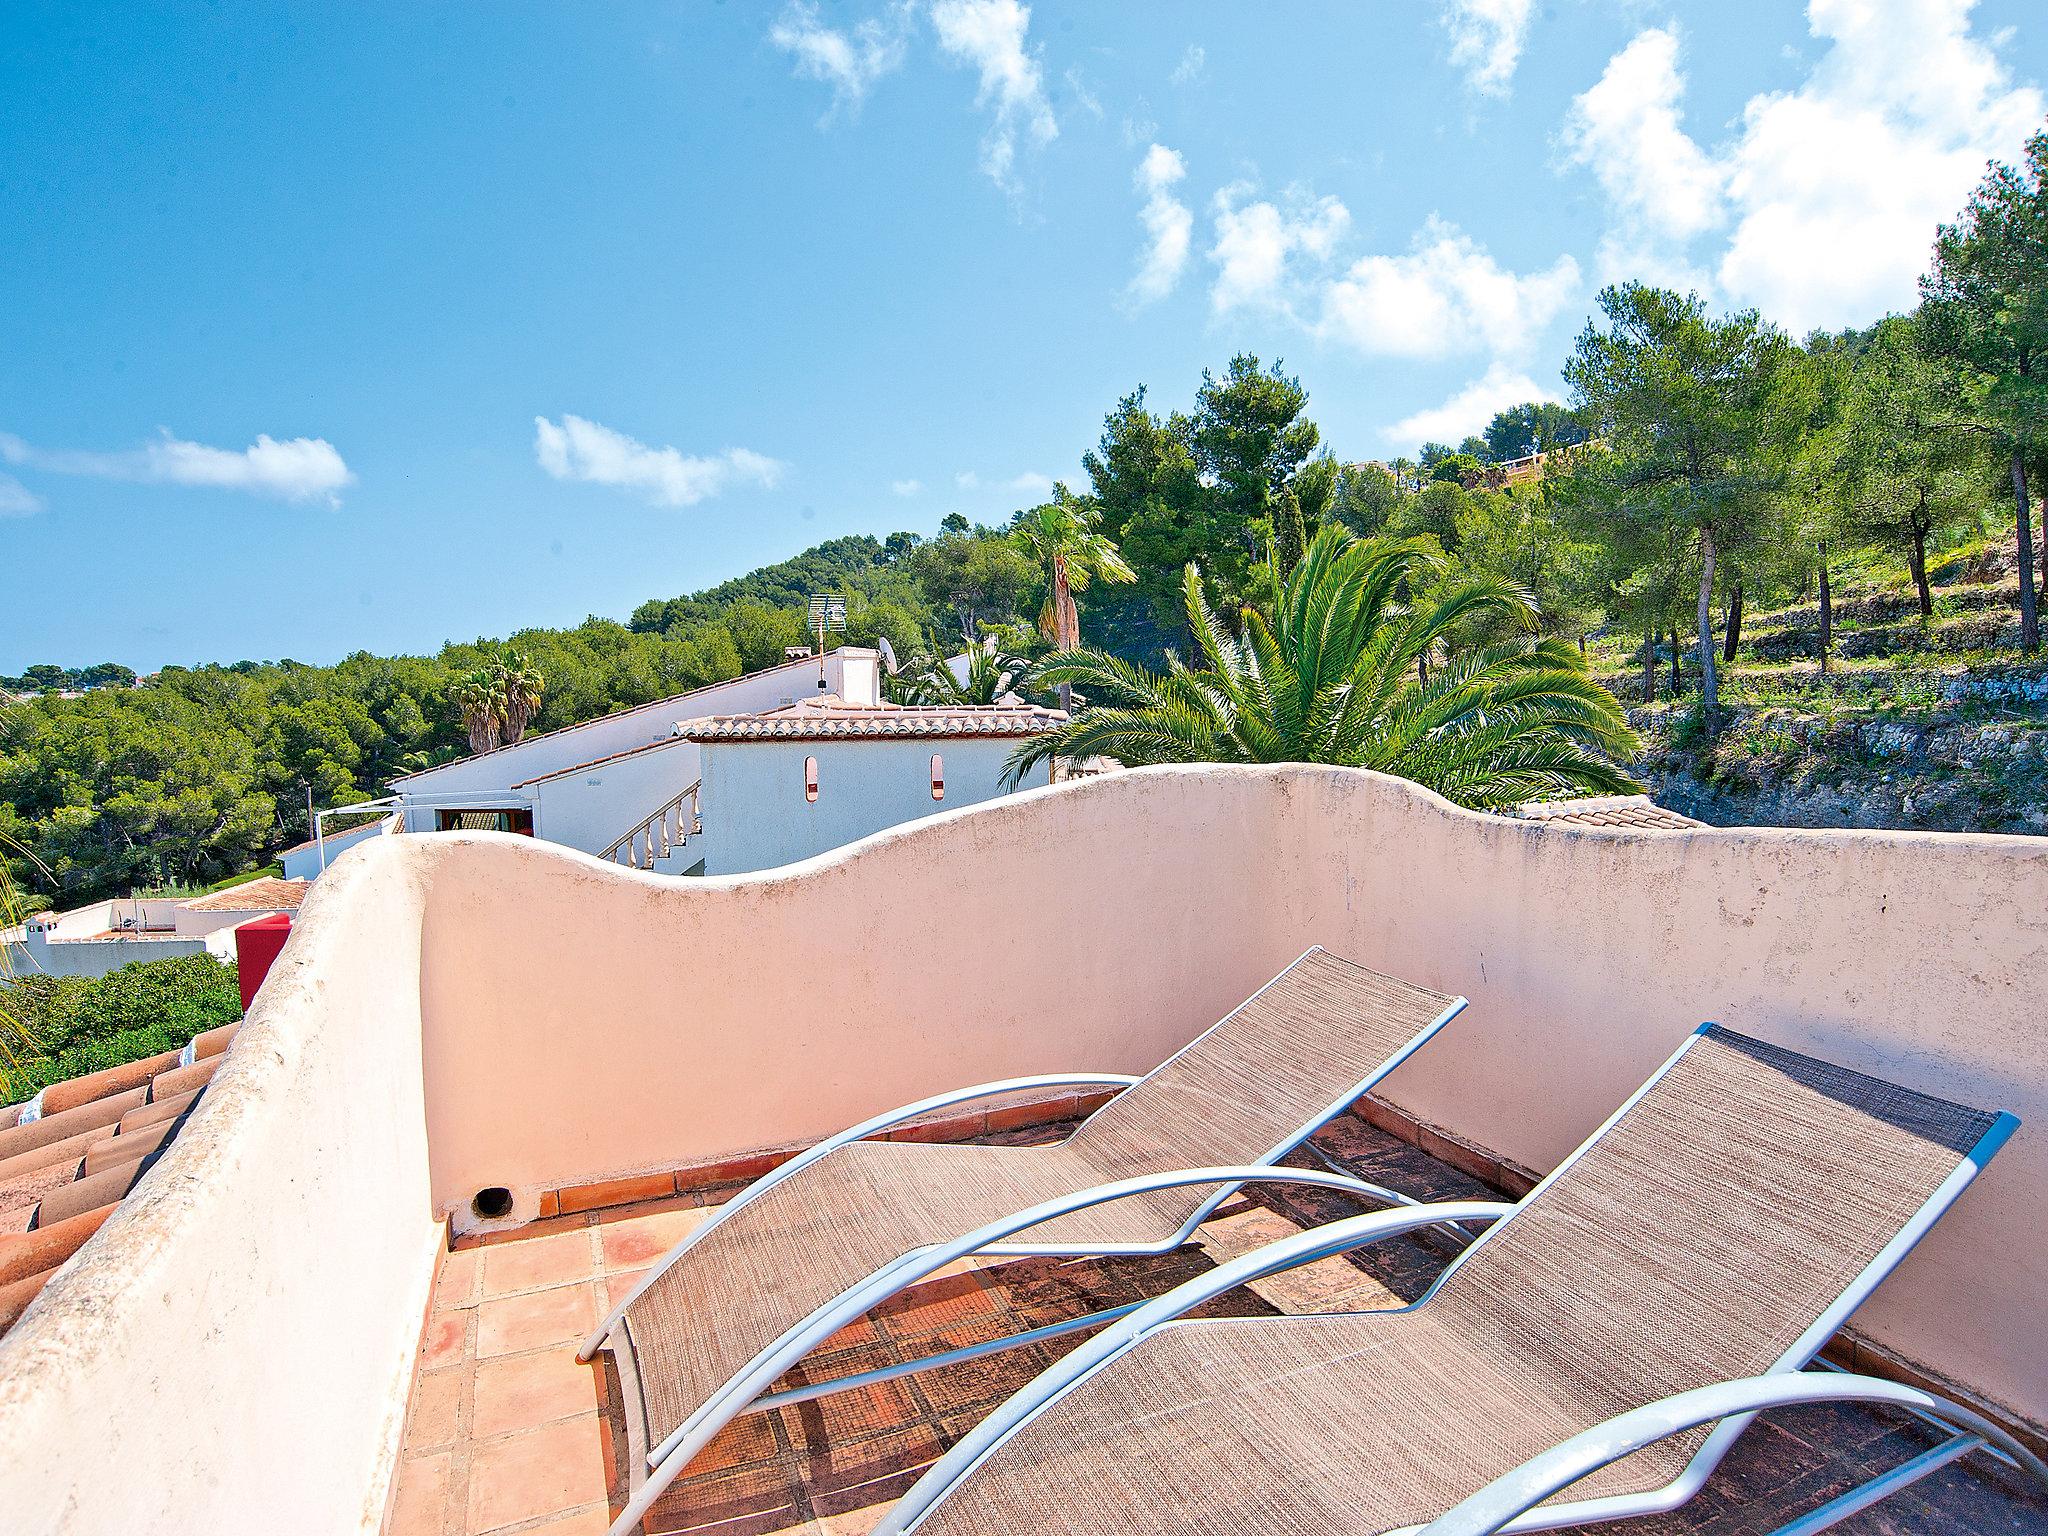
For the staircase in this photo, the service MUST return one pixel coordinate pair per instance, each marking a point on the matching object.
(663, 830)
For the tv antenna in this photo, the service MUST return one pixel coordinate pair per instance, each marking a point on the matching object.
(827, 613)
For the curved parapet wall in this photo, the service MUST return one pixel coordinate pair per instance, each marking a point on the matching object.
(459, 1013)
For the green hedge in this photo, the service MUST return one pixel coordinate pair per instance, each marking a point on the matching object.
(86, 1024)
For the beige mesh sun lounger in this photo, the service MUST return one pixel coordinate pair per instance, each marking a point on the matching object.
(1598, 1348)
(831, 1233)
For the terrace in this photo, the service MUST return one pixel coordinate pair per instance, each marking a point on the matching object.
(560, 1062)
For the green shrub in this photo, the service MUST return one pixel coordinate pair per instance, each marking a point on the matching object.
(86, 1024)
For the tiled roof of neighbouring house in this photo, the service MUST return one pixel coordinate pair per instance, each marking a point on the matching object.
(269, 894)
(86, 1142)
(1634, 812)
(832, 719)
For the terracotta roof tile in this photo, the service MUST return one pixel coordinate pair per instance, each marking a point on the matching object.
(1631, 812)
(64, 1173)
(27, 1253)
(831, 720)
(75, 1091)
(267, 894)
(40, 1133)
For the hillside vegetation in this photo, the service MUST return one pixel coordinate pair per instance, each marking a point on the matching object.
(1931, 723)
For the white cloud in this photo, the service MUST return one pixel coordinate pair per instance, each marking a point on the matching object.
(576, 449)
(1486, 40)
(296, 469)
(1193, 60)
(1838, 185)
(1626, 128)
(990, 36)
(849, 61)
(1828, 193)
(16, 499)
(1030, 483)
(906, 487)
(1258, 243)
(1469, 410)
(1168, 224)
(1445, 296)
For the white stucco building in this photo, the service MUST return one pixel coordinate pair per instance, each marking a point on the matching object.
(96, 939)
(789, 783)
(591, 785)
(764, 769)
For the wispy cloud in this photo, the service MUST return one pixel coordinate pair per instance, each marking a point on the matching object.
(989, 35)
(577, 449)
(850, 60)
(1030, 483)
(296, 469)
(1469, 410)
(1168, 224)
(906, 487)
(1486, 40)
(16, 499)
(1193, 60)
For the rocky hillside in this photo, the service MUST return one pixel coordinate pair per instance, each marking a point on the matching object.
(1934, 723)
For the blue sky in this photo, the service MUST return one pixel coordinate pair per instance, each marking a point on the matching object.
(326, 328)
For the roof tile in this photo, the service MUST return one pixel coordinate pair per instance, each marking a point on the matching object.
(75, 1091)
(61, 1176)
(268, 894)
(831, 719)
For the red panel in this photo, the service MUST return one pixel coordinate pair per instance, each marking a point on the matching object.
(257, 943)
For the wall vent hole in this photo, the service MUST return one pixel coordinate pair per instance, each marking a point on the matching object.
(492, 1204)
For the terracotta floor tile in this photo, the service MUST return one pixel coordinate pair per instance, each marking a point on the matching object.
(936, 1304)
(639, 1242)
(857, 1522)
(513, 1267)
(594, 1521)
(616, 1287)
(545, 1471)
(536, 1320)
(843, 1417)
(442, 1344)
(522, 1391)
(436, 1400)
(747, 1501)
(420, 1506)
(745, 1441)
(457, 1286)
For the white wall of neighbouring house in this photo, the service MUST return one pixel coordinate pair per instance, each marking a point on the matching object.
(303, 862)
(507, 777)
(756, 816)
(593, 808)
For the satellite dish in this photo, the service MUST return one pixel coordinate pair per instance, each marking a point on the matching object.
(888, 654)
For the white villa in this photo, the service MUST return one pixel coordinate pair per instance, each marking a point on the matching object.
(758, 771)
(791, 783)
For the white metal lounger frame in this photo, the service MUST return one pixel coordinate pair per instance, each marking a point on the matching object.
(1510, 1503)
(747, 1390)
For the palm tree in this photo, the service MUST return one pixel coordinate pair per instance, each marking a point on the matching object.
(477, 695)
(1060, 536)
(1332, 678)
(519, 688)
(992, 676)
(17, 1045)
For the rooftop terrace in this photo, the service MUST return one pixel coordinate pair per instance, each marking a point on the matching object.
(507, 1432)
(554, 1059)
